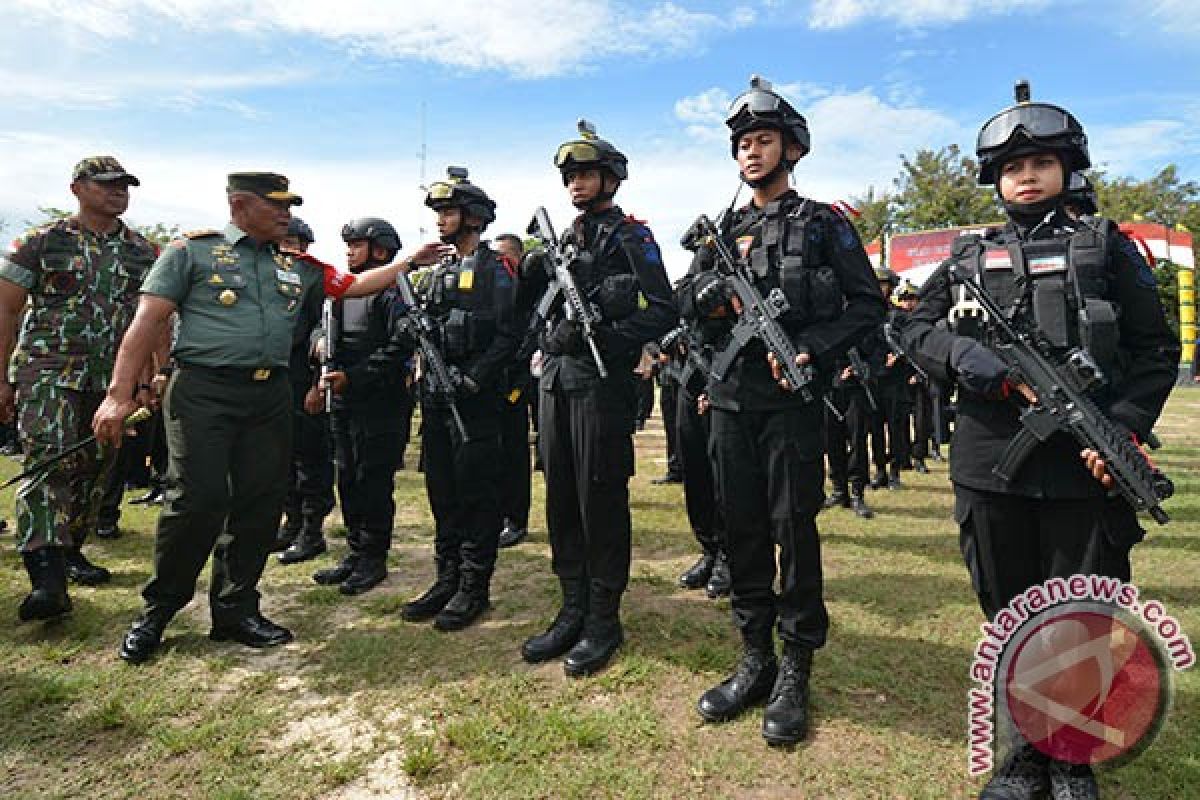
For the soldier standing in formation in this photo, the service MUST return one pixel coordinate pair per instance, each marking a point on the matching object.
(587, 420)
(228, 406)
(470, 294)
(894, 389)
(310, 481)
(1054, 518)
(367, 379)
(80, 276)
(766, 439)
(516, 483)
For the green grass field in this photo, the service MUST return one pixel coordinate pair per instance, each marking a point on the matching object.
(364, 705)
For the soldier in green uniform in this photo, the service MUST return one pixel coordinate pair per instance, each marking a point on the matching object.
(79, 276)
(228, 406)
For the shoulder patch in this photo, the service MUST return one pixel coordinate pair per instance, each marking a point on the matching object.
(634, 220)
(1145, 274)
(201, 233)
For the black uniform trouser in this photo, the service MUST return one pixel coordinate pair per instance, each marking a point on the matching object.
(699, 489)
(770, 478)
(877, 426)
(515, 484)
(463, 481)
(1010, 543)
(645, 394)
(668, 393)
(367, 453)
(310, 477)
(230, 439)
(922, 422)
(846, 441)
(587, 456)
(896, 404)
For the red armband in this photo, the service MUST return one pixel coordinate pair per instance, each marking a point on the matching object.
(336, 282)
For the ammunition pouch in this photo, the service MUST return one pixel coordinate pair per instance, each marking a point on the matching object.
(617, 296)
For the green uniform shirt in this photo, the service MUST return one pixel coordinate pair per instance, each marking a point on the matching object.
(82, 294)
(238, 298)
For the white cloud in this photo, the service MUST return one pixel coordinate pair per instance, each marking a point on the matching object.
(1146, 145)
(528, 38)
(914, 13)
(1173, 16)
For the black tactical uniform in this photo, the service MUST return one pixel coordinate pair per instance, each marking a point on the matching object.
(766, 442)
(472, 301)
(310, 481)
(587, 422)
(516, 484)
(667, 377)
(895, 402)
(367, 420)
(846, 440)
(692, 431)
(1044, 267)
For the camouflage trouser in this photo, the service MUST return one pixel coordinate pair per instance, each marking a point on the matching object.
(57, 507)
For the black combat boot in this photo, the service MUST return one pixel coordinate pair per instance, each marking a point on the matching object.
(338, 572)
(750, 683)
(82, 571)
(468, 603)
(1022, 776)
(1072, 781)
(858, 502)
(879, 481)
(564, 632)
(47, 597)
(786, 719)
(698, 574)
(435, 598)
(366, 573)
(309, 544)
(144, 636)
(512, 534)
(596, 647)
(838, 497)
(893, 481)
(286, 534)
(919, 466)
(720, 580)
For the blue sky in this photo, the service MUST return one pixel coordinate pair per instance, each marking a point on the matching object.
(184, 91)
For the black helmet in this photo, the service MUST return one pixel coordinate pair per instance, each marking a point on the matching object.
(589, 151)
(1026, 128)
(457, 192)
(299, 229)
(372, 229)
(1081, 194)
(760, 107)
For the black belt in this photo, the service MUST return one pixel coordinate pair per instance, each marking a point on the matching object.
(236, 373)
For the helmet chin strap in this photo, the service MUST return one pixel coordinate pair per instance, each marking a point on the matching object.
(781, 167)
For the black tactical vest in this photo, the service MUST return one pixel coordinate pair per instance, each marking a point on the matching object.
(1060, 286)
(461, 297)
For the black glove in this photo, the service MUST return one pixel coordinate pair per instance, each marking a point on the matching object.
(712, 293)
(464, 385)
(566, 339)
(979, 369)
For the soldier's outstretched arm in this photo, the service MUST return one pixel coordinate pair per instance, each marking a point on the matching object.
(149, 325)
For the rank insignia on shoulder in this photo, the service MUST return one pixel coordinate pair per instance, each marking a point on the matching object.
(201, 233)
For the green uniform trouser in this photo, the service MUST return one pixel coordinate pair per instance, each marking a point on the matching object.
(57, 507)
(230, 441)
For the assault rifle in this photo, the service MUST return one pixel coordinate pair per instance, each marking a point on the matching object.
(564, 289)
(328, 322)
(418, 324)
(1063, 405)
(863, 373)
(758, 318)
(935, 391)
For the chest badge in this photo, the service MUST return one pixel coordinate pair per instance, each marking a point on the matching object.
(227, 297)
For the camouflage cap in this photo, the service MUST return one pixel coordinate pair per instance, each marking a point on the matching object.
(270, 185)
(102, 168)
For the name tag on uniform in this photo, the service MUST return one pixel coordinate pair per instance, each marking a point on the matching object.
(287, 276)
(1040, 265)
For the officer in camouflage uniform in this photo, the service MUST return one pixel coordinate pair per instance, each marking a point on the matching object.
(228, 407)
(80, 276)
